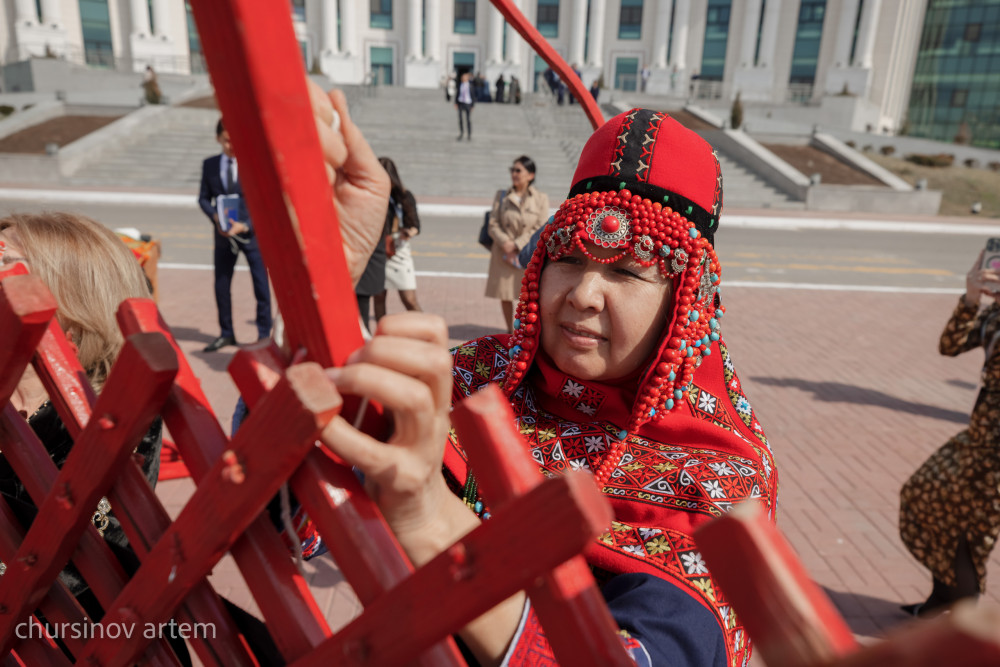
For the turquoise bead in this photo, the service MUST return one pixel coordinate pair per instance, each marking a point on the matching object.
(678, 394)
(514, 351)
(669, 404)
(622, 434)
(715, 336)
(517, 324)
(652, 412)
(683, 345)
(690, 351)
(714, 323)
(707, 351)
(486, 515)
(479, 506)
(672, 376)
(693, 233)
(693, 315)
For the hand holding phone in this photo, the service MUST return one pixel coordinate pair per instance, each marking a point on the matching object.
(984, 276)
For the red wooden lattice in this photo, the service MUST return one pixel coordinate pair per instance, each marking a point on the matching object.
(260, 84)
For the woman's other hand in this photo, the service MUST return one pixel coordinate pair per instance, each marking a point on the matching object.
(509, 248)
(360, 184)
(407, 368)
(980, 281)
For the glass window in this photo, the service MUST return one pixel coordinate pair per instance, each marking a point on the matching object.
(807, 39)
(959, 97)
(547, 20)
(299, 10)
(465, 17)
(713, 56)
(626, 73)
(194, 43)
(630, 20)
(96, 28)
(381, 59)
(381, 14)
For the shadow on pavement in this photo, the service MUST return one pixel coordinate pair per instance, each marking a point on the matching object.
(962, 384)
(466, 332)
(866, 615)
(838, 392)
(217, 361)
(188, 333)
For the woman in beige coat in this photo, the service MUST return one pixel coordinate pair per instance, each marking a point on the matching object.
(516, 214)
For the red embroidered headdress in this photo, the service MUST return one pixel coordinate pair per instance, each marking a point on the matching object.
(650, 187)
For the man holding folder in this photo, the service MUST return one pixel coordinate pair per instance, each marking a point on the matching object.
(221, 198)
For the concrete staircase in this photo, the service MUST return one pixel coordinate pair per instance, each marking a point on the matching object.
(168, 157)
(744, 189)
(417, 129)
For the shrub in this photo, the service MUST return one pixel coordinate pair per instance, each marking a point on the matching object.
(994, 166)
(736, 113)
(887, 150)
(867, 148)
(939, 160)
(851, 143)
(6, 110)
(971, 162)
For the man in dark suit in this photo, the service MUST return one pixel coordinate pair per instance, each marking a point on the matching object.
(220, 176)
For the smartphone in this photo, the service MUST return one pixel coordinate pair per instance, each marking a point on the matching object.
(991, 256)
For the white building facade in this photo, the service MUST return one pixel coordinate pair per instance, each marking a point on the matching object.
(858, 54)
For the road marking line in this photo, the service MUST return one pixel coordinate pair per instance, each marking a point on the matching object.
(475, 212)
(732, 283)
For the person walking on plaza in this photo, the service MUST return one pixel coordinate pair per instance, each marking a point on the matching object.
(402, 224)
(464, 102)
(501, 85)
(516, 214)
(949, 514)
(220, 177)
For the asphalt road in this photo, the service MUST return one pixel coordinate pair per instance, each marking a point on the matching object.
(810, 258)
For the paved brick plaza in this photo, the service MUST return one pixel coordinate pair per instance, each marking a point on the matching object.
(849, 386)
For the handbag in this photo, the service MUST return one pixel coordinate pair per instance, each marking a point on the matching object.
(485, 239)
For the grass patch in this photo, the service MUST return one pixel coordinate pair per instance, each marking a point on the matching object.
(960, 185)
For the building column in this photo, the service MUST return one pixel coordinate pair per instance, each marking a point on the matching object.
(140, 17)
(661, 33)
(748, 40)
(330, 39)
(514, 40)
(161, 17)
(769, 34)
(578, 32)
(595, 52)
(495, 38)
(349, 23)
(866, 34)
(845, 33)
(432, 19)
(678, 52)
(25, 11)
(51, 14)
(414, 29)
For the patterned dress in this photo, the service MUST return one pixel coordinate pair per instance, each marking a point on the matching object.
(709, 456)
(956, 492)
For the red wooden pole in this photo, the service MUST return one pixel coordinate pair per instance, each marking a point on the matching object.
(541, 46)
(789, 618)
(569, 605)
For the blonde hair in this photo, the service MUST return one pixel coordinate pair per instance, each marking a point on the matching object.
(89, 272)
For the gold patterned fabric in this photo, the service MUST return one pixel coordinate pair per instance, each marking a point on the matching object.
(956, 492)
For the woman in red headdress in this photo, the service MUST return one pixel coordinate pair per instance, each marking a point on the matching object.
(616, 366)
